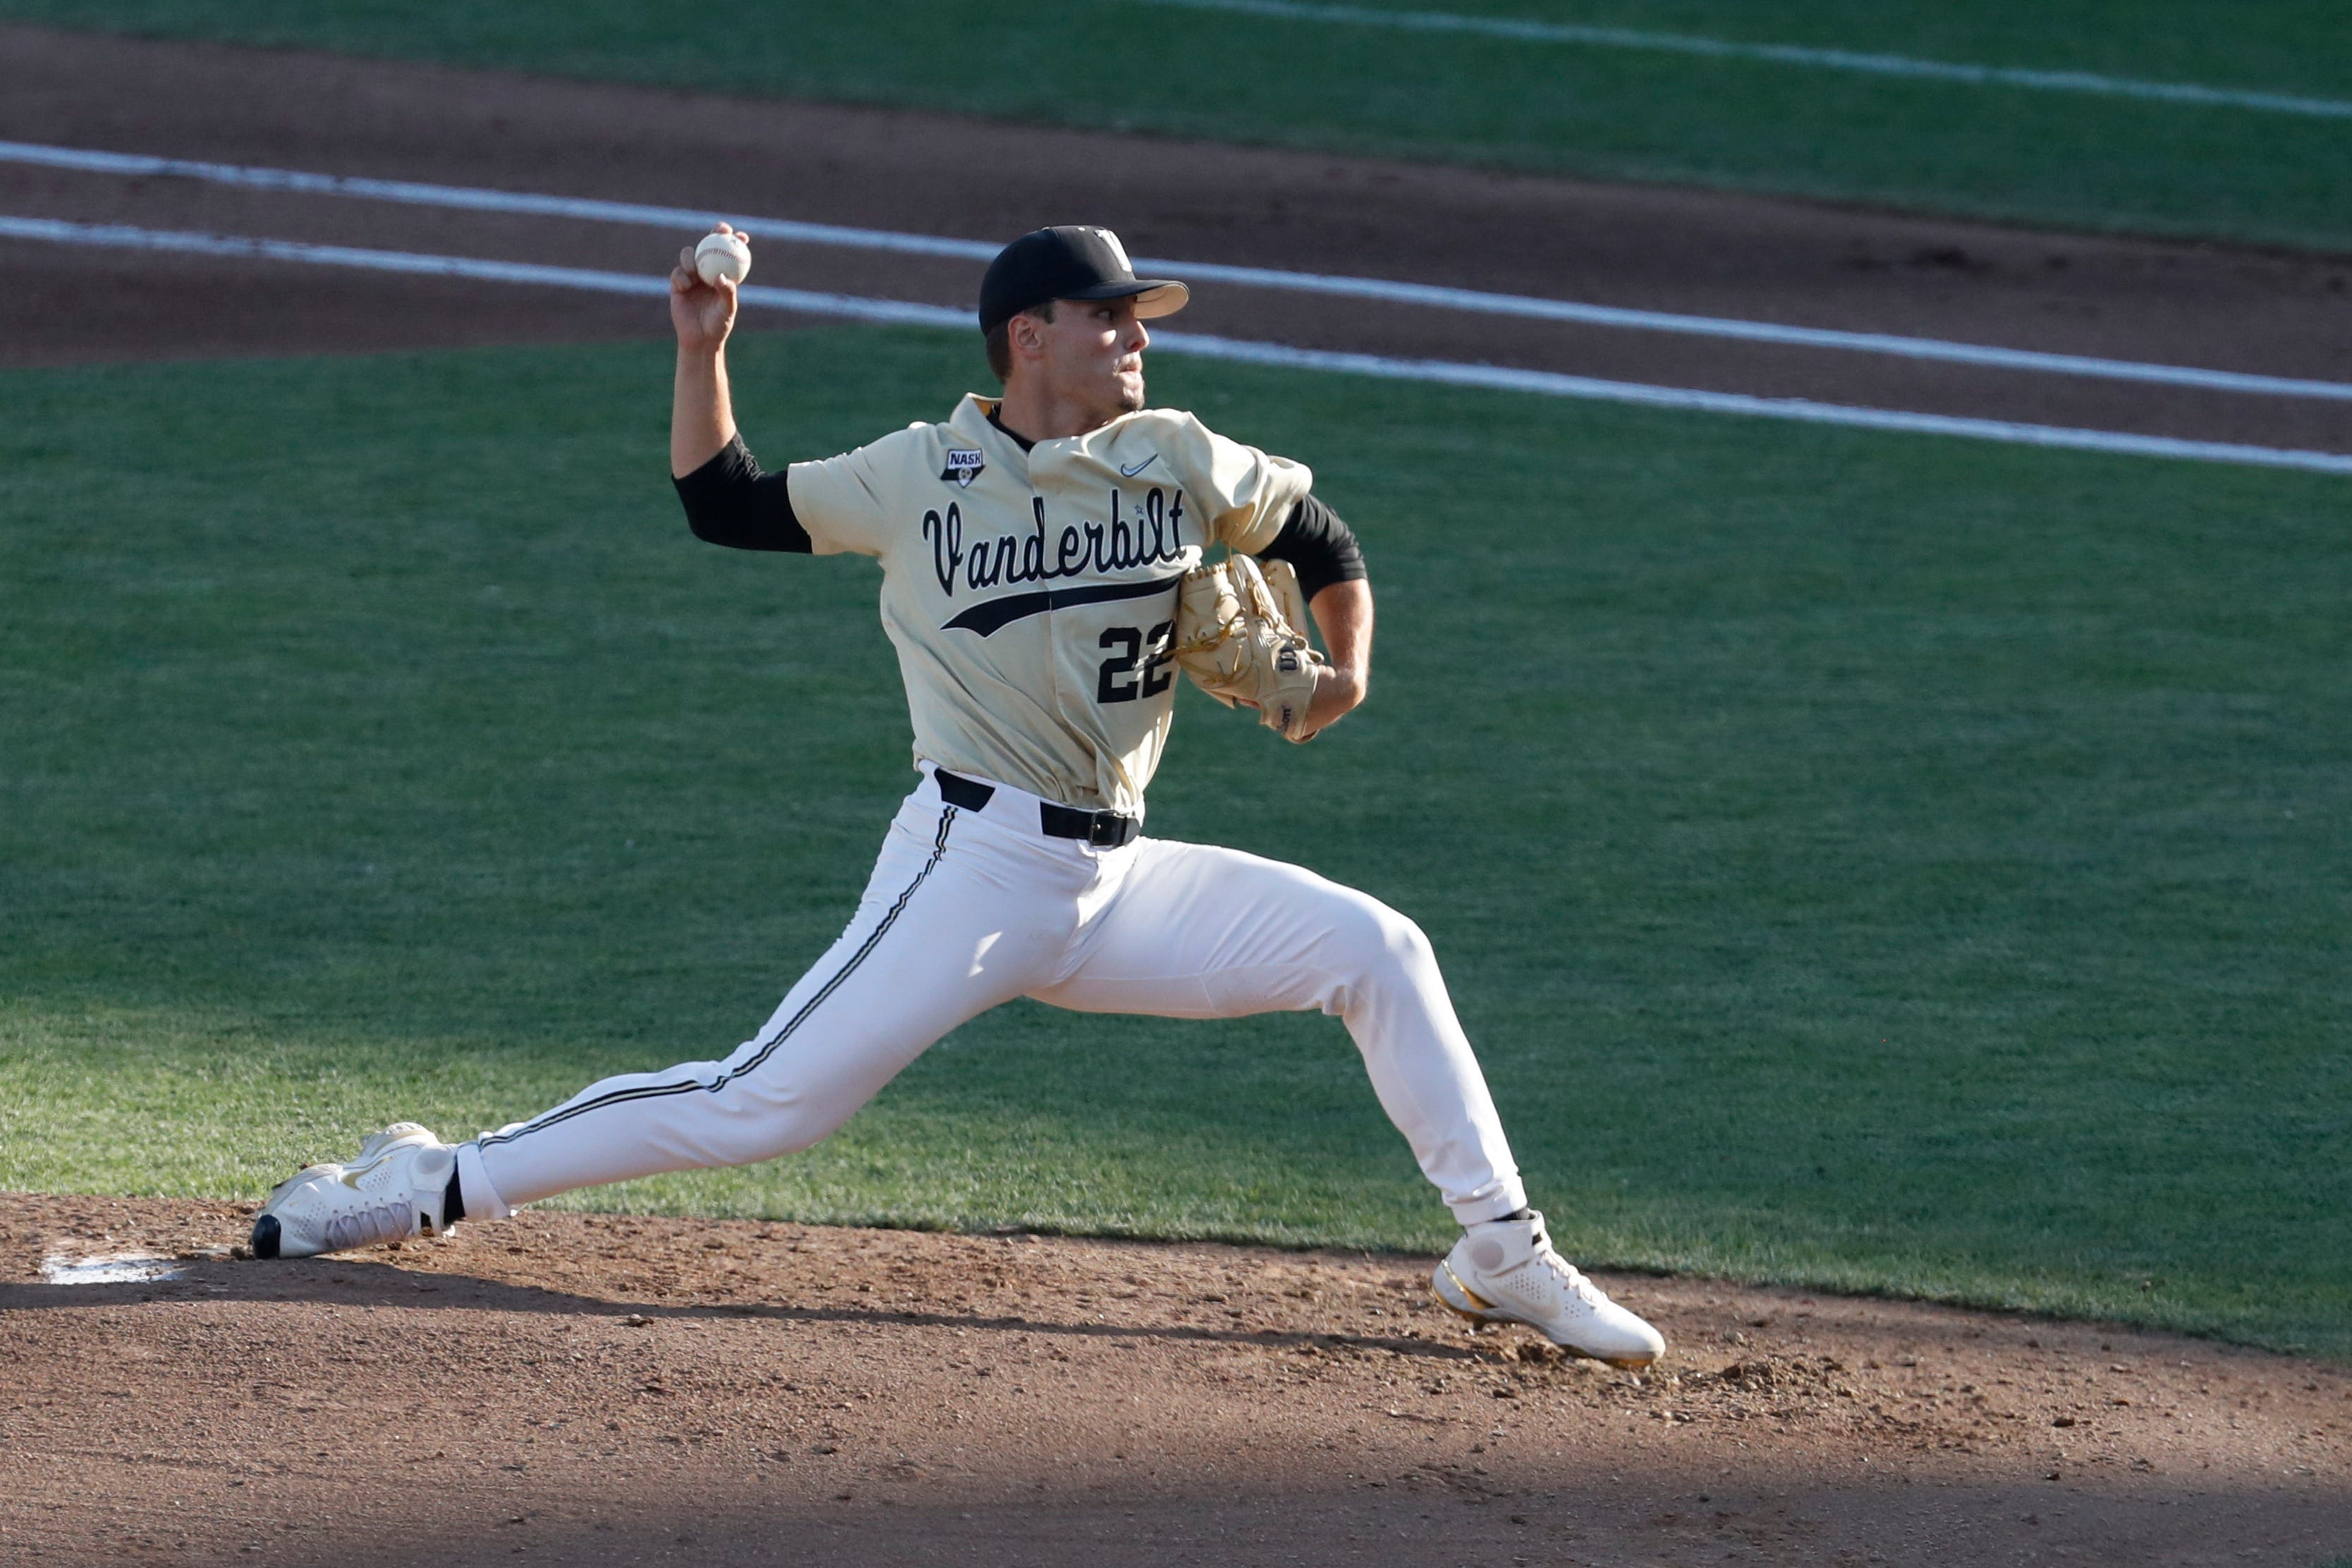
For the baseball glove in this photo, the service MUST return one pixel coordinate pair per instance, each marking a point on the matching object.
(1239, 634)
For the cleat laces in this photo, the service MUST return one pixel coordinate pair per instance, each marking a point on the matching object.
(369, 1227)
(1571, 1279)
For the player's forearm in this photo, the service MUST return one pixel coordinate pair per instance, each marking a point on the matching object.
(701, 414)
(1343, 615)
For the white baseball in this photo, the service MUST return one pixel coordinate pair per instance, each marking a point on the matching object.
(722, 255)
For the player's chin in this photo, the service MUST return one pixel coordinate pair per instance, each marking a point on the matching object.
(1131, 393)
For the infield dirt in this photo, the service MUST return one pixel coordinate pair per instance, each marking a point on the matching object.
(592, 1389)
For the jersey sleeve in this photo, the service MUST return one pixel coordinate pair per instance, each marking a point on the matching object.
(1247, 495)
(844, 502)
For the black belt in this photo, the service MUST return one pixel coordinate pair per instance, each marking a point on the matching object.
(1103, 829)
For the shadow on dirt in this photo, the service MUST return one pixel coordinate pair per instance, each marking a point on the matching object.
(344, 1282)
(1587, 1517)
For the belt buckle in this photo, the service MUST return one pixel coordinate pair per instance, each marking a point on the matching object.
(1106, 831)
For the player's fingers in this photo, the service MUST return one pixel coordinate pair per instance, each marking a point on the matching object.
(682, 281)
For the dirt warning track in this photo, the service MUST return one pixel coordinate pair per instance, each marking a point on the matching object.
(1737, 259)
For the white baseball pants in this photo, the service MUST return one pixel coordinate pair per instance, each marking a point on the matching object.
(967, 909)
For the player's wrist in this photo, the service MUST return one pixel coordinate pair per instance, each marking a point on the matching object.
(1337, 692)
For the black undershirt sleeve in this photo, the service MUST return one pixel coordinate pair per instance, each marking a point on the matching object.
(729, 502)
(1320, 548)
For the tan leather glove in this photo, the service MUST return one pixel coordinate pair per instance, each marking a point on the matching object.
(1240, 635)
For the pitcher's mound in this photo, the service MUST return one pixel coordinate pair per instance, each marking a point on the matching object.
(589, 1390)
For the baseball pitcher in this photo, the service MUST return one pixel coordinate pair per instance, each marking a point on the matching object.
(1034, 550)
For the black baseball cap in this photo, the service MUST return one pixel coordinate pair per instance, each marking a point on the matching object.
(1073, 261)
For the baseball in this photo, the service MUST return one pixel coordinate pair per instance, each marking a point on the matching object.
(722, 255)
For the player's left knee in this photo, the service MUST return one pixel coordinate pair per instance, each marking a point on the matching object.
(1410, 944)
(1394, 938)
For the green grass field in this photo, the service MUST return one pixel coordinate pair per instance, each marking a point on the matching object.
(1885, 864)
(2064, 159)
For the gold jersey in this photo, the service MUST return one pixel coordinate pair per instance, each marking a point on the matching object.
(1031, 595)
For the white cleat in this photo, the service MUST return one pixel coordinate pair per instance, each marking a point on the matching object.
(395, 1189)
(1505, 1271)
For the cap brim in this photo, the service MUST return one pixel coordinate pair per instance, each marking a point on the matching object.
(1152, 295)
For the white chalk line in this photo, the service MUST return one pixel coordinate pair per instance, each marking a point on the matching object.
(1535, 32)
(125, 236)
(858, 308)
(1477, 301)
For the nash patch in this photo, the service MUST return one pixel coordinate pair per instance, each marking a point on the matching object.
(963, 466)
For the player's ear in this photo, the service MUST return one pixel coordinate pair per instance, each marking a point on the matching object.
(1028, 335)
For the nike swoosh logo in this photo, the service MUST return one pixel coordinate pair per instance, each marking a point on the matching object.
(1139, 468)
(352, 1173)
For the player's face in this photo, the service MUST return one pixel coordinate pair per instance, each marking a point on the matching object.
(1094, 356)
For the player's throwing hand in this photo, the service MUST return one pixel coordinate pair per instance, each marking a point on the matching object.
(702, 313)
